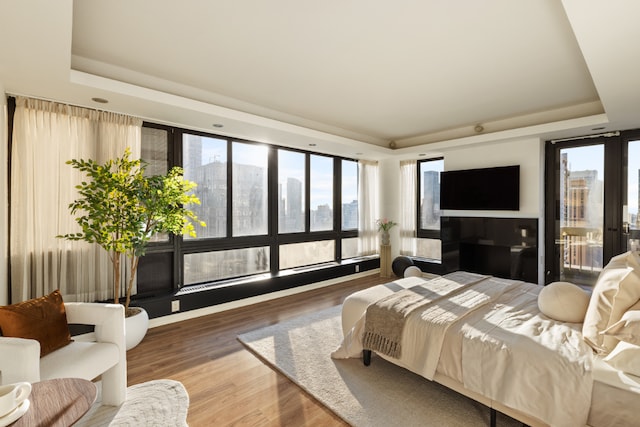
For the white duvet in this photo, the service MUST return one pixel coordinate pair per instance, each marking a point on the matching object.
(500, 347)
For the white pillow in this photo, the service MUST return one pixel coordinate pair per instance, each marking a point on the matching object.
(625, 357)
(628, 328)
(617, 289)
(412, 271)
(563, 301)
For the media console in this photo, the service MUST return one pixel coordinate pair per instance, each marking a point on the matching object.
(501, 247)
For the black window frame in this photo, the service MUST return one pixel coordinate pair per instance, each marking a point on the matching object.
(180, 247)
(423, 233)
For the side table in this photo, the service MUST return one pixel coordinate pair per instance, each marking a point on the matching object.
(58, 402)
(385, 260)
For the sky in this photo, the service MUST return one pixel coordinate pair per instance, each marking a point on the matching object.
(291, 164)
(591, 158)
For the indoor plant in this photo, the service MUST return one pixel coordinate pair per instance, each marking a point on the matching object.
(120, 209)
(385, 225)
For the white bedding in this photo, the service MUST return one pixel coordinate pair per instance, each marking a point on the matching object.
(515, 356)
(495, 350)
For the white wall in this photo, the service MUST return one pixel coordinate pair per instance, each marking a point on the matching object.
(4, 194)
(389, 197)
(528, 153)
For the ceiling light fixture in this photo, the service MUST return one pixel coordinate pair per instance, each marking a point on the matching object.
(218, 125)
(312, 145)
(100, 100)
(479, 128)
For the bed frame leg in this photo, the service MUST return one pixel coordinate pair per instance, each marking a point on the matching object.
(366, 357)
(493, 417)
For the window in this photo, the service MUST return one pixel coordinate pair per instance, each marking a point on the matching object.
(205, 163)
(307, 253)
(349, 195)
(321, 193)
(250, 190)
(429, 194)
(428, 244)
(211, 266)
(155, 153)
(266, 209)
(155, 150)
(291, 191)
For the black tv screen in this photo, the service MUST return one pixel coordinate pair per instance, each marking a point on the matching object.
(495, 188)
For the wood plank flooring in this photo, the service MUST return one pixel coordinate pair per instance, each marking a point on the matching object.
(228, 385)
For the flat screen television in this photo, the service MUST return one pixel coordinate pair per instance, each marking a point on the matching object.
(496, 188)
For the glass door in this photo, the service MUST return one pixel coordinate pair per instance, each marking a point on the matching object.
(631, 217)
(592, 204)
(580, 222)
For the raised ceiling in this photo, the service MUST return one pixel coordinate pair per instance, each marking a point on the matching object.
(357, 75)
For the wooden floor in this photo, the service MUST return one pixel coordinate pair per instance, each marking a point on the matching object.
(228, 385)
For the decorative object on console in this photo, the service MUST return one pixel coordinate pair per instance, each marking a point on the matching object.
(384, 225)
(400, 264)
(563, 301)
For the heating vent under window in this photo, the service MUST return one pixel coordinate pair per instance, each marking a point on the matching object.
(314, 267)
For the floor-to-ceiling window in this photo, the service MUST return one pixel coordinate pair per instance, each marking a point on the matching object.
(428, 243)
(591, 203)
(267, 209)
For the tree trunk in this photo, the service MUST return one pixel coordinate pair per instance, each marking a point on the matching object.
(116, 277)
(132, 277)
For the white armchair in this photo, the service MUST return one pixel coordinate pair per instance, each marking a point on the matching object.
(105, 356)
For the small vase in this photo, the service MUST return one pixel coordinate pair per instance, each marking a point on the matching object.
(385, 238)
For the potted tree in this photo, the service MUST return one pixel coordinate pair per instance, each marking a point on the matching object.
(120, 209)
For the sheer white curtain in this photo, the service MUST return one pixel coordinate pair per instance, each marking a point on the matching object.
(45, 136)
(368, 207)
(408, 206)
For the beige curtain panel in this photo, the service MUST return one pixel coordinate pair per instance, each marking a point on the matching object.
(408, 206)
(45, 136)
(368, 186)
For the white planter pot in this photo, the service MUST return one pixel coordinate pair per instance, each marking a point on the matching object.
(135, 327)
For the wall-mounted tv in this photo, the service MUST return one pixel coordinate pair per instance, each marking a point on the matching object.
(495, 188)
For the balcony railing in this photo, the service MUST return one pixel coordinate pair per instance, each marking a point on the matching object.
(580, 252)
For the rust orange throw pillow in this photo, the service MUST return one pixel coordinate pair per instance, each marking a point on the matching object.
(43, 319)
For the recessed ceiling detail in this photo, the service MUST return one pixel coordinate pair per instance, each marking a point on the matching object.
(350, 77)
(396, 73)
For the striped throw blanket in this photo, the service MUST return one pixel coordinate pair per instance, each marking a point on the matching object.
(385, 319)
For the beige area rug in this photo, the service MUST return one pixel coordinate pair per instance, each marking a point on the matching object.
(381, 394)
(155, 403)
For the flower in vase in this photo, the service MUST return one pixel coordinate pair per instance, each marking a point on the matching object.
(385, 224)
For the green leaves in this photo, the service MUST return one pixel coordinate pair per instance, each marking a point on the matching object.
(120, 209)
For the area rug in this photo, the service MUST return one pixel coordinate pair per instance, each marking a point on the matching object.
(381, 394)
(154, 403)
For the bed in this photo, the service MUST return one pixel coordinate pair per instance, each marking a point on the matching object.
(486, 338)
